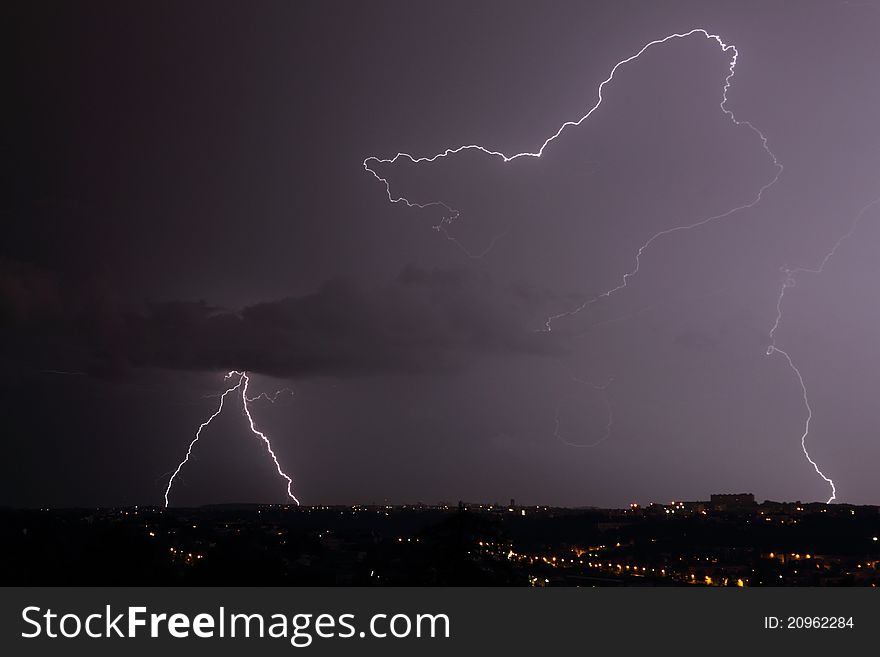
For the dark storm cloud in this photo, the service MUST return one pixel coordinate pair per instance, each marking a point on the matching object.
(422, 321)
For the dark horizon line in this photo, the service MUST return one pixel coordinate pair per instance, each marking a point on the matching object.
(414, 505)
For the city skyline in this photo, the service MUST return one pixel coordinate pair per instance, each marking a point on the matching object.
(726, 541)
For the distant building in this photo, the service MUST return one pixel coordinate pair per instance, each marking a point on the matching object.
(732, 501)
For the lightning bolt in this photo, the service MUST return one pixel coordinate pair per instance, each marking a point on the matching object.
(790, 280)
(242, 386)
(257, 432)
(451, 214)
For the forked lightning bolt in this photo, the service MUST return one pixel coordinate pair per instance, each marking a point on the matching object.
(790, 280)
(242, 386)
(451, 214)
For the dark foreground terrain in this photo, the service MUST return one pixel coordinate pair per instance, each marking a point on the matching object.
(682, 543)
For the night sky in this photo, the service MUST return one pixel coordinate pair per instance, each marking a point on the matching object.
(183, 194)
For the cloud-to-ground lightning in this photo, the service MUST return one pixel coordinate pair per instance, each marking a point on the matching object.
(247, 412)
(451, 214)
(199, 434)
(790, 280)
(242, 386)
(602, 390)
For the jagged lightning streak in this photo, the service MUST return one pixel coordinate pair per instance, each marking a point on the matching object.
(242, 385)
(247, 412)
(790, 280)
(675, 229)
(451, 214)
(272, 398)
(645, 310)
(199, 433)
(269, 397)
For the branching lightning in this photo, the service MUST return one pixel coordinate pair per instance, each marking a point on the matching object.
(451, 214)
(723, 215)
(242, 386)
(273, 397)
(790, 280)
